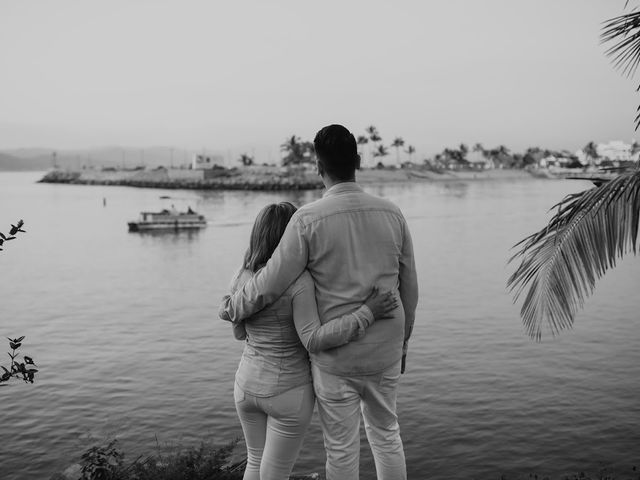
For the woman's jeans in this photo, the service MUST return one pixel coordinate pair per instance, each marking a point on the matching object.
(274, 429)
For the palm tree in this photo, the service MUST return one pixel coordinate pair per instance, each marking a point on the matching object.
(463, 150)
(624, 31)
(374, 136)
(410, 151)
(362, 140)
(591, 152)
(373, 133)
(294, 149)
(559, 265)
(502, 150)
(381, 152)
(397, 143)
(246, 160)
(561, 262)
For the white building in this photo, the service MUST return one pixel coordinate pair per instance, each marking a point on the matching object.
(479, 161)
(202, 161)
(617, 150)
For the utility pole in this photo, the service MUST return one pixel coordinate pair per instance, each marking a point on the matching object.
(171, 157)
(54, 156)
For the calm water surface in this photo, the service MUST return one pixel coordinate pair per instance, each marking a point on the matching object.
(124, 329)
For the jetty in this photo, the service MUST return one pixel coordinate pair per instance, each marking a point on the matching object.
(250, 178)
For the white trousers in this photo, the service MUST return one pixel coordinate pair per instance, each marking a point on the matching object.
(274, 428)
(341, 400)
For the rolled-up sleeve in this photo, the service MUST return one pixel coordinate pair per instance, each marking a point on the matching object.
(285, 265)
(317, 337)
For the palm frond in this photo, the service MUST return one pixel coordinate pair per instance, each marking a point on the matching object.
(561, 263)
(624, 32)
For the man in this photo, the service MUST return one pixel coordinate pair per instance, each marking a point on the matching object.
(349, 241)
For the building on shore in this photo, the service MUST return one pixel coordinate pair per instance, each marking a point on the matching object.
(201, 161)
(618, 151)
(479, 160)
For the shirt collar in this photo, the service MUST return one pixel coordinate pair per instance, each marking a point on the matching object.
(342, 187)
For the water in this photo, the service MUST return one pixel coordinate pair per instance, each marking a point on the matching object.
(124, 330)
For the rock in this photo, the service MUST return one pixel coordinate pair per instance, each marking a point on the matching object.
(74, 472)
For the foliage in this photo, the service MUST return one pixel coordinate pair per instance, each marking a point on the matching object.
(374, 136)
(601, 474)
(15, 229)
(381, 151)
(590, 231)
(246, 159)
(397, 142)
(591, 151)
(297, 151)
(102, 462)
(561, 263)
(24, 369)
(624, 32)
(106, 462)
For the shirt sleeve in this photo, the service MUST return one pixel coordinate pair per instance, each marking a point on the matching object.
(239, 331)
(314, 335)
(285, 265)
(408, 283)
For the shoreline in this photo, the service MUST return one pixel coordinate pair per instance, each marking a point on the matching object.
(262, 178)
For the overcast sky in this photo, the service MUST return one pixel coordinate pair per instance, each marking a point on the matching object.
(235, 75)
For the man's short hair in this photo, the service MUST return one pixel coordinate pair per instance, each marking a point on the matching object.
(337, 151)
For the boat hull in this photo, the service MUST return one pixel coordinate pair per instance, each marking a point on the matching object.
(168, 226)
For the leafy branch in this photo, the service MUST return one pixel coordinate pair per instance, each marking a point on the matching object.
(24, 369)
(623, 32)
(15, 229)
(561, 263)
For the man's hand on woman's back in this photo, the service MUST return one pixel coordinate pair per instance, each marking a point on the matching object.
(381, 303)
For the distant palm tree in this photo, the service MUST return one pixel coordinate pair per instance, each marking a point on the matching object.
(559, 265)
(591, 152)
(381, 152)
(502, 150)
(295, 150)
(463, 150)
(362, 140)
(410, 151)
(397, 143)
(246, 160)
(374, 136)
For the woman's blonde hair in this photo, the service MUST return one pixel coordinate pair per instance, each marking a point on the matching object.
(267, 230)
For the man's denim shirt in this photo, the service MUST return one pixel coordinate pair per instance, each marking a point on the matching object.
(349, 241)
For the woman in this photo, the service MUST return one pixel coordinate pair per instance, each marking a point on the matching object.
(273, 390)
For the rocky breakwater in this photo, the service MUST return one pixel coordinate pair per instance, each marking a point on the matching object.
(248, 178)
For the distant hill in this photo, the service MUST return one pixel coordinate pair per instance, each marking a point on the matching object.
(41, 158)
(12, 163)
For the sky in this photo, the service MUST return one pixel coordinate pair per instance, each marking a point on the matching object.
(244, 75)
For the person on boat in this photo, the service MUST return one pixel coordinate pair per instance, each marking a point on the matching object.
(273, 389)
(348, 240)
